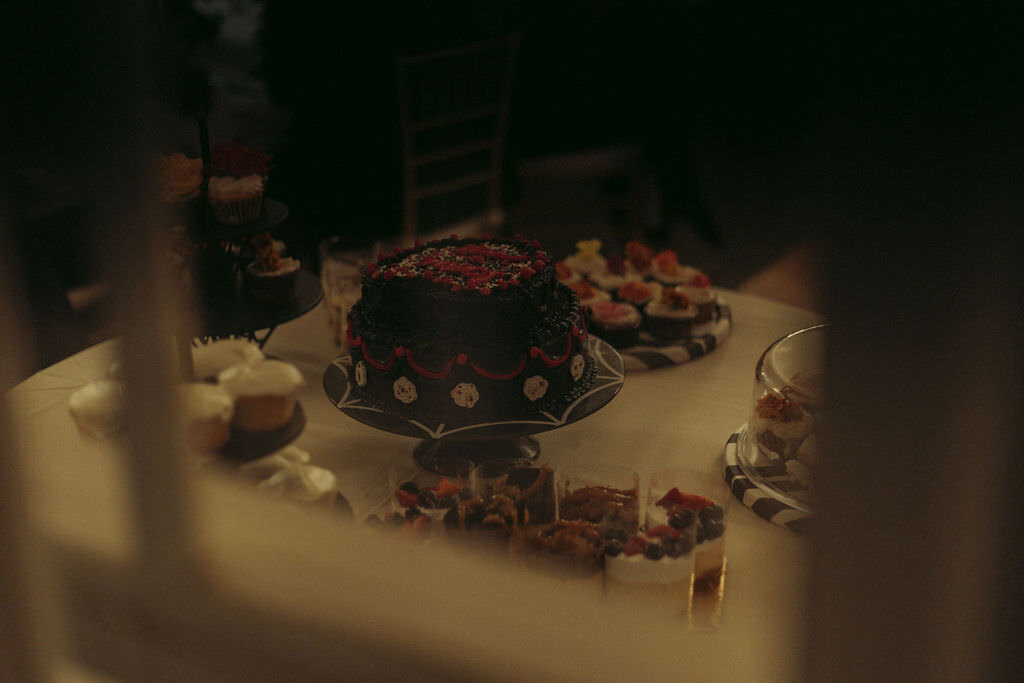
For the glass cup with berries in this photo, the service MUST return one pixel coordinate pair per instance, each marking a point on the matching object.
(422, 498)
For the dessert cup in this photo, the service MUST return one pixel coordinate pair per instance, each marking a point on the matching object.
(606, 495)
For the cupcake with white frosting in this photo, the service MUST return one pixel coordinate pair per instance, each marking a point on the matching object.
(97, 408)
(209, 360)
(206, 411)
(237, 177)
(288, 473)
(264, 393)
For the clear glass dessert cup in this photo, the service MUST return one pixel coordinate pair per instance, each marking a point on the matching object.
(605, 494)
(778, 448)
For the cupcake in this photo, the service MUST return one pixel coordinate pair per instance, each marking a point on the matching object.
(209, 360)
(638, 293)
(588, 294)
(612, 276)
(271, 278)
(667, 269)
(697, 288)
(616, 323)
(206, 411)
(639, 258)
(237, 177)
(288, 474)
(264, 393)
(97, 408)
(587, 258)
(670, 316)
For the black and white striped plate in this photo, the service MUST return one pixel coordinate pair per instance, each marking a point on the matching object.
(650, 354)
(763, 501)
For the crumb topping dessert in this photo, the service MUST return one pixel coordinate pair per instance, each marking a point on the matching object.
(601, 504)
(772, 406)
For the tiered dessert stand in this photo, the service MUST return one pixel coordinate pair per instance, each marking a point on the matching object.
(442, 445)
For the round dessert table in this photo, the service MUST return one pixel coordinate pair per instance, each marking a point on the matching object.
(674, 416)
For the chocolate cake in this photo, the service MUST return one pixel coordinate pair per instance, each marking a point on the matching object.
(468, 330)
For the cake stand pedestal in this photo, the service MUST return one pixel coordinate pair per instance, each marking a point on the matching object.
(443, 445)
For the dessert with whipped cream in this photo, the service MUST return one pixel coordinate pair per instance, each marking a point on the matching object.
(666, 268)
(671, 315)
(616, 323)
(653, 567)
(638, 293)
(97, 408)
(206, 411)
(676, 509)
(639, 258)
(289, 474)
(209, 360)
(779, 425)
(264, 393)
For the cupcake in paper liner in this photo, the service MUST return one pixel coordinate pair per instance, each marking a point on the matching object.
(236, 201)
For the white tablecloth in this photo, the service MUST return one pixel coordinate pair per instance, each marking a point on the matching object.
(679, 415)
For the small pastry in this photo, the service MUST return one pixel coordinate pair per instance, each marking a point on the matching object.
(670, 316)
(639, 258)
(237, 178)
(209, 360)
(287, 473)
(264, 393)
(588, 294)
(612, 276)
(206, 411)
(697, 288)
(667, 269)
(639, 293)
(565, 273)
(616, 323)
(587, 258)
(272, 279)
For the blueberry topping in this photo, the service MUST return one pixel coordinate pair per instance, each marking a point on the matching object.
(447, 501)
(613, 547)
(617, 534)
(681, 519)
(412, 513)
(654, 551)
(410, 487)
(427, 498)
(712, 512)
(713, 528)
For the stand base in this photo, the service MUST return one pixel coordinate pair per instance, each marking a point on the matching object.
(442, 455)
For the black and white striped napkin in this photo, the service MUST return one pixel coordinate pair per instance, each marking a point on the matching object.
(757, 499)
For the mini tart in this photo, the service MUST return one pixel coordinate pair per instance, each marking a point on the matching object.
(264, 393)
(206, 411)
(97, 408)
(273, 286)
(287, 473)
(209, 360)
(669, 321)
(616, 323)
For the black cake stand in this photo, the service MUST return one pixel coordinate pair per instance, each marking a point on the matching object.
(442, 444)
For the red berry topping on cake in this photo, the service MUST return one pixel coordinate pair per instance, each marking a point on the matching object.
(634, 546)
(660, 530)
(673, 298)
(407, 499)
(616, 264)
(687, 500)
(636, 292)
(639, 255)
(700, 280)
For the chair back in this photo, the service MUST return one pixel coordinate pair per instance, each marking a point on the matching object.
(453, 107)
